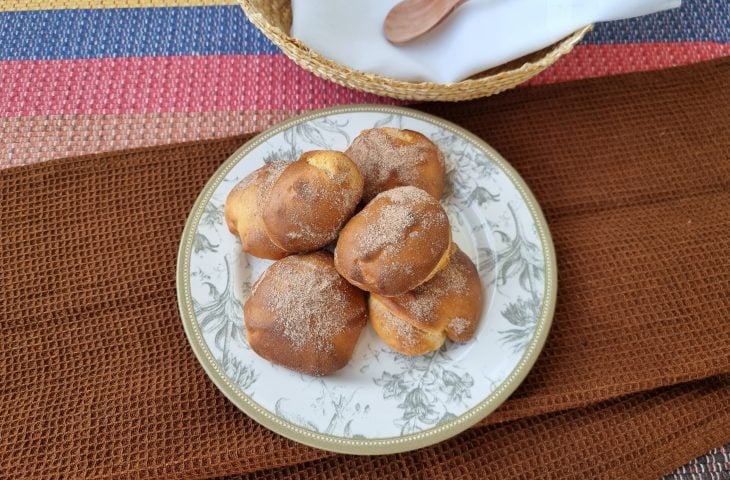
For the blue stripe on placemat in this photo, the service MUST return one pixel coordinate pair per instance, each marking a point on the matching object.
(220, 30)
(694, 21)
(129, 32)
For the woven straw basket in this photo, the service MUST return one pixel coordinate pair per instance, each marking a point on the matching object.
(273, 18)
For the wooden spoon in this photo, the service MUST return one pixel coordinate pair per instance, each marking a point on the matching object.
(410, 19)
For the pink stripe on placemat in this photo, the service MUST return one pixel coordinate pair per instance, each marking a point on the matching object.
(63, 108)
(166, 84)
(588, 61)
(254, 82)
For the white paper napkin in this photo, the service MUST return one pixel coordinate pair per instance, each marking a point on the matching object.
(479, 35)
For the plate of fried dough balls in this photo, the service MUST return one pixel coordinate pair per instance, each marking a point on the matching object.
(366, 279)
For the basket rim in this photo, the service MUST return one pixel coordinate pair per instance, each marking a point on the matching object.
(329, 69)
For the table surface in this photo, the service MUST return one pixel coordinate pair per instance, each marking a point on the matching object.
(84, 76)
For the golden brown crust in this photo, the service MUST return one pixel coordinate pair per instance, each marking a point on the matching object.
(449, 305)
(390, 157)
(242, 212)
(302, 315)
(311, 200)
(398, 333)
(398, 241)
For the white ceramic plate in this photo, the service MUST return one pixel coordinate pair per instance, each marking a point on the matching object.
(382, 402)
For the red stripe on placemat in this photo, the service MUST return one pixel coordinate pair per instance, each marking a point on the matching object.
(257, 82)
(588, 61)
(165, 84)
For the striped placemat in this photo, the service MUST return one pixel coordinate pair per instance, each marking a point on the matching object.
(82, 76)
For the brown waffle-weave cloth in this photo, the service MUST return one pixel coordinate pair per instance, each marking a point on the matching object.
(633, 174)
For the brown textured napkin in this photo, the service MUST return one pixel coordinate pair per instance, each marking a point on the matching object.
(633, 174)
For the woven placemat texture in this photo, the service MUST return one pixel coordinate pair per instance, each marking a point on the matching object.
(84, 76)
(633, 174)
(631, 437)
(714, 465)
